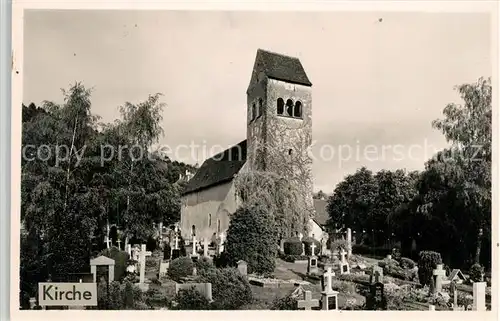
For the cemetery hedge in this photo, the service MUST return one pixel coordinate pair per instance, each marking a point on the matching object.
(252, 237)
(180, 267)
(121, 258)
(286, 303)
(367, 250)
(293, 246)
(427, 262)
(230, 290)
(308, 241)
(121, 296)
(191, 299)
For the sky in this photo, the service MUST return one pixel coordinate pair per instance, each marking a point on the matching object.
(379, 79)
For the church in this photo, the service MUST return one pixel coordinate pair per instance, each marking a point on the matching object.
(279, 116)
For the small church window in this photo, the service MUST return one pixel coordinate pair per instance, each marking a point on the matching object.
(209, 220)
(297, 111)
(193, 230)
(254, 111)
(261, 107)
(289, 107)
(290, 151)
(218, 226)
(281, 106)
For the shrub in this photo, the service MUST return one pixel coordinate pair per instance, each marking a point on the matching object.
(252, 237)
(427, 262)
(204, 265)
(293, 246)
(120, 297)
(190, 299)
(151, 244)
(308, 241)
(156, 298)
(407, 263)
(338, 244)
(344, 287)
(230, 290)
(221, 260)
(476, 273)
(286, 303)
(121, 259)
(180, 267)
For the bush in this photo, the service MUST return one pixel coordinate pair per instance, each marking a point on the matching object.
(180, 267)
(407, 263)
(190, 299)
(308, 241)
(476, 273)
(204, 265)
(121, 259)
(286, 303)
(293, 246)
(230, 290)
(338, 244)
(427, 262)
(252, 237)
(156, 298)
(221, 260)
(120, 297)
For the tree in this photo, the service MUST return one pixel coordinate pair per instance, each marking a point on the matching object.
(468, 127)
(252, 237)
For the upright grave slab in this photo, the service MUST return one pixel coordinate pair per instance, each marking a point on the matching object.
(142, 261)
(377, 299)
(479, 296)
(103, 261)
(312, 263)
(439, 275)
(344, 264)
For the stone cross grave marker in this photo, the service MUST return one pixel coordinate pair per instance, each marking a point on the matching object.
(344, 265)
(308, 301)
(107, 241)
(327, 279)
(439, 274)
(479, 296)
(128, 248)
(119, 242)
(329, 297)
(142, 260)
(103, 260)
(313, 248)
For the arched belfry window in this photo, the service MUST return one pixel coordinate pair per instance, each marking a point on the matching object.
(280, 106)
(289, 107)
(297, 111)
(261, 107)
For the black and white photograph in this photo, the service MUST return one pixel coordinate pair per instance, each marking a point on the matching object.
(256, 160)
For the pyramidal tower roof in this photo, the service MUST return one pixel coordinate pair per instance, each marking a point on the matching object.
(280, 67)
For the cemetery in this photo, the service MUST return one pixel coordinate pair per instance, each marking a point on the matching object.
(247, 232)
(196, 278)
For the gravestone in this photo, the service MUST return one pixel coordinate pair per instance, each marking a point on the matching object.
(32, 303)
(329, 297)
(308, 302)
(204, 288)
(303, 249)
(432, 307)
(312, 263)
(194, 253)
(142, 274)
(103, 261)
(282, 245)
(242, 267)
(222, 240)
(376, 274)
(439, 274)
(344, 265)
(479, 296)
(163, 268)
(119, 242)
(205, 247)
(167, 252)
(377, 299)
(107, 240)
(128, 248)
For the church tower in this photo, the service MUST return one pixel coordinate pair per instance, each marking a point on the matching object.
(279, 119)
